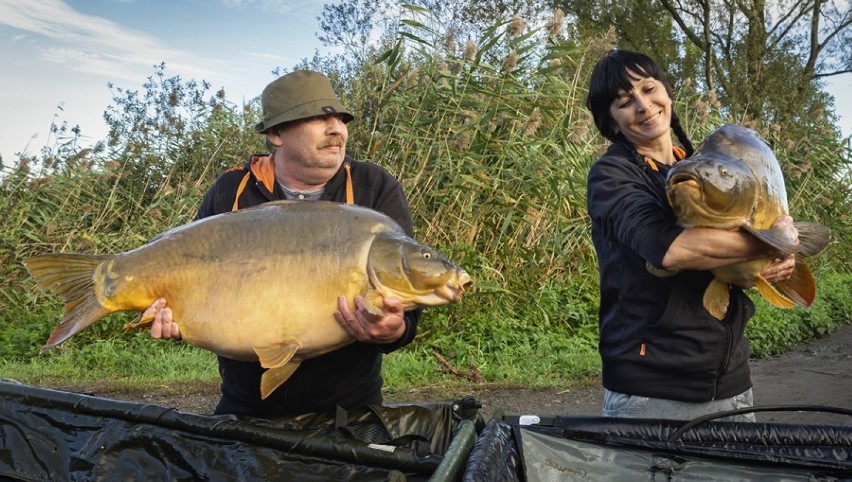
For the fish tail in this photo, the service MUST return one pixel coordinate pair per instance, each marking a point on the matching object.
(813, 238)
(799, 289)
(772, 294)
(70, 275)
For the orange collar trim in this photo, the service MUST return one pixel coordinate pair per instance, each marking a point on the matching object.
(263, 168)
(679, 154)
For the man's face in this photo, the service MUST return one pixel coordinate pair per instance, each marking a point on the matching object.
(316, 142)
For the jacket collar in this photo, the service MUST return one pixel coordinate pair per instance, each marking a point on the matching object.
(263, 169)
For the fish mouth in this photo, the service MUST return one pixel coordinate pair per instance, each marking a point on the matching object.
(451, 291)
(684, 178)
(464, 282)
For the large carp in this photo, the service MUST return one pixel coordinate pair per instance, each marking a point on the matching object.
(257, 284)
(734, 181)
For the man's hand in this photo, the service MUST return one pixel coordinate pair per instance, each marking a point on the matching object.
(369, 328)
(163, 325)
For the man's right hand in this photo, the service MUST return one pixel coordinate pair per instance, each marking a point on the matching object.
(163, 325)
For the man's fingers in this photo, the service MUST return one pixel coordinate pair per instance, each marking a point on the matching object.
(164, 326)
(154, 308)
(157, 325)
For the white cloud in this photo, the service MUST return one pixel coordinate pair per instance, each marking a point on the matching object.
(274, 6)
(94, 45)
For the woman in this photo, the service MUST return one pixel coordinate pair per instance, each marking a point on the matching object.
(663, 355)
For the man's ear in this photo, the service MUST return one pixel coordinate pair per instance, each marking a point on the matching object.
(274, 137)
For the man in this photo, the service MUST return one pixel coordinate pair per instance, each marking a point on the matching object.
(305, 127)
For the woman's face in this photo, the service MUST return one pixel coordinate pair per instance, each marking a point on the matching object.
(644, 113)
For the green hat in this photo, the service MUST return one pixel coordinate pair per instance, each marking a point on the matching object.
(299, 95)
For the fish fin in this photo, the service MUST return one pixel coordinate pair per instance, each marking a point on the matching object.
(813, 238)
(771, 294)
(659, 272)
(276, 356)
(717, 298)
(373, 301)
(275, 377)
(278, 360)
(71, 276)
(142, 322)
(775, 238)
(801, 287)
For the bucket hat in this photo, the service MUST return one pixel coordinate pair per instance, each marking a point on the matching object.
(299, 95)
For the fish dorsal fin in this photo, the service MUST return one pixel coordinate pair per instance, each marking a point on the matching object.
(275, 377)
(278, 360)
(717, 298)
(813, 238)
(800, 288)
(773, 237)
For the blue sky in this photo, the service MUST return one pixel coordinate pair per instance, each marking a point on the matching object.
(64, 52)
(56, 52)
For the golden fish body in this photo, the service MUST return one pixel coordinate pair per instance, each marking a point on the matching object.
(734, 181)
(257, 284)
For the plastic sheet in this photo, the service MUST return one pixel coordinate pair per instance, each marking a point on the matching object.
(596, 448)
(54, 435)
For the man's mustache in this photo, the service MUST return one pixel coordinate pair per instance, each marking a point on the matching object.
(333, 142)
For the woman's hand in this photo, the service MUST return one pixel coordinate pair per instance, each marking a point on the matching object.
(781, 269)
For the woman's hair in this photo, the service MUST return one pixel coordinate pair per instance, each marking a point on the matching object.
(610, 77)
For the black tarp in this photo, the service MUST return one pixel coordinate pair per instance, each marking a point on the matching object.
(596, 448)
(56, 435)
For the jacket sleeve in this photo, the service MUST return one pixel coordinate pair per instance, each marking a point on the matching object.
(625, 205)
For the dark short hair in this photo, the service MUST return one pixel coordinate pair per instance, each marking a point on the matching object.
(610, 77)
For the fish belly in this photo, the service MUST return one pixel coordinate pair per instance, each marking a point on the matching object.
(260, 280)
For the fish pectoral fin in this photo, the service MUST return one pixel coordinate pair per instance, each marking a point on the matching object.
(658, 272)
(140, 323)
(373, 301)
(275, 356)
(717, 298)
(799, 289)
(275, 377)
(813, 238)
(774, 237)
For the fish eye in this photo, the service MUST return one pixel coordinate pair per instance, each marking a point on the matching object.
(427, 255)
(723, 171)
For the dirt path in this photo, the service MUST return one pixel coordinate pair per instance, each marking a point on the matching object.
(818, 373)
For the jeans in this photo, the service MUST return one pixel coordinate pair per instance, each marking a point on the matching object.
(632, 406)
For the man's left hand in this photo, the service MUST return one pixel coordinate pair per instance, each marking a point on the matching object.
(367, 327)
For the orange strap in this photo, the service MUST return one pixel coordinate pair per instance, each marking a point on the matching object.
(350, 195)
(240, 191)
(679, 154)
